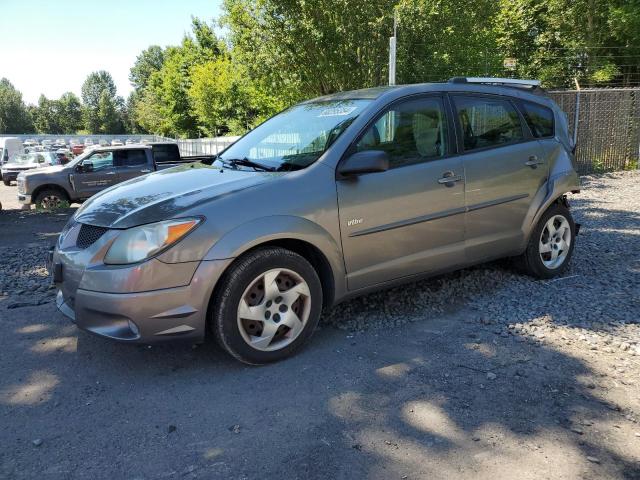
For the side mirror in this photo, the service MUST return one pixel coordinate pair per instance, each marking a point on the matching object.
(369, 161)
(86, 167)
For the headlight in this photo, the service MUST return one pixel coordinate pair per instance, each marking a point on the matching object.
(139, 243)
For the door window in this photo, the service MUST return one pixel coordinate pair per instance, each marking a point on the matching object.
(539, 118)
(131, 158)
(412, 132)
(487, 122)
(100, 160)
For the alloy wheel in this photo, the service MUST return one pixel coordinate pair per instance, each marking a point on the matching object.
(51, 202)
(274, 309)
(555, 242)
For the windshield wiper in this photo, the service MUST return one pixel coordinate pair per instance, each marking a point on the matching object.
(245, 162)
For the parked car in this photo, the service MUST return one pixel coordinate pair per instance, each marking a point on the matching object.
(97, 169)
(27, 161)
(88, 142)
(327, 200)
(77, 149)
(116, 142)
(131, 141)
(9, 147)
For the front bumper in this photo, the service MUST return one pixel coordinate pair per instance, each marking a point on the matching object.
(24, 199)
(10, 176)
(127, 313)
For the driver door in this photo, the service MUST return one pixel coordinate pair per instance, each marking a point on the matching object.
(94, 174)
(409, 219)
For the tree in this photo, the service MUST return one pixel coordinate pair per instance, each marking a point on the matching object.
(46, 117)
(304, 49)
(14, 115)
(70, 111)
(109, 119)
(225, 100)
(148, 62)
(557, 40)
(444, 38)
(163, 105)
(92, 89)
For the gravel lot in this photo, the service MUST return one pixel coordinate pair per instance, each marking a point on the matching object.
(478, 374)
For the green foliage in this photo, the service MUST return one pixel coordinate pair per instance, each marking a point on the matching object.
(225, 100)
(102, 109)
(14, 115)
(559, 40)
(148, 62)
(308, 48)
(70, 111)
(163, 105)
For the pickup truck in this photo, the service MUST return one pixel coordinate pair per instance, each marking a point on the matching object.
(95, 170)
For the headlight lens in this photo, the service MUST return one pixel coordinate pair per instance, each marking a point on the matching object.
(139, 243)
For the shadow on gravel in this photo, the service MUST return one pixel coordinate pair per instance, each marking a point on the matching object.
(445, 398)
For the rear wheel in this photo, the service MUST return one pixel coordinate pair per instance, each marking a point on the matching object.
(50, 199)
(268, 305)
(551, 244)
(6, 181)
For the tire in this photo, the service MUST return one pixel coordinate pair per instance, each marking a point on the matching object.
(6, 181)
(539, 262)
(268, 290)
(51, 198)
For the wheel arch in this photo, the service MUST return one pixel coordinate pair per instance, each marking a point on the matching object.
(297, 234)
(49, 186)
(554, 191)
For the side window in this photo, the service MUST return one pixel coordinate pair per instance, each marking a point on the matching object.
(487, 122)
(165, 153)
(539, 119)
(411, 132)
(100, 160)
(131, 158)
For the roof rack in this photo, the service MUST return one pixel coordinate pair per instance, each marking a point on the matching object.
(507, 82)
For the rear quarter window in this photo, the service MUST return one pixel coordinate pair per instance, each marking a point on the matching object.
(539, 119)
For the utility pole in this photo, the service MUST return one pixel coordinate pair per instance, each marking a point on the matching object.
(392, 50)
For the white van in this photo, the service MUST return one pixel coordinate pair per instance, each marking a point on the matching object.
(9, 146)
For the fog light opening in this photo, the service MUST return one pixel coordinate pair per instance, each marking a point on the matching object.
(134, 329)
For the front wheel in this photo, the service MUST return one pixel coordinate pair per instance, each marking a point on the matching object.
(6, 181)
(551, 244)
(51, 199)
(267, 306)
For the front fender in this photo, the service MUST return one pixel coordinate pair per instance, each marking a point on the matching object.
(282, 227)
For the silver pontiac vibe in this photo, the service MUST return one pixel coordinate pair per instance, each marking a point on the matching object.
(332, 198)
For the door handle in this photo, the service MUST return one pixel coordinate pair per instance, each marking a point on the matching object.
(110, 173)
(533, 161)
(449, 179)
(145, 171)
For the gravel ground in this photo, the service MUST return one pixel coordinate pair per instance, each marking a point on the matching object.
(478, 374)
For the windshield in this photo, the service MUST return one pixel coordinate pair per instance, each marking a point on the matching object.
(295, 138)
(27, 158)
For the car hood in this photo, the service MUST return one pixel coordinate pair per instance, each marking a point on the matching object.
(45, 170)
(20, 166)
(165, 194)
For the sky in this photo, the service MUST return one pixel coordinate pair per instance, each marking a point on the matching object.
(50, 46)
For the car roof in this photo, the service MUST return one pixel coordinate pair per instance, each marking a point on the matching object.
(390, 93)
(108, 148)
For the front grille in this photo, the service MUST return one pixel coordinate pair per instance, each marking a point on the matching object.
(89, 235)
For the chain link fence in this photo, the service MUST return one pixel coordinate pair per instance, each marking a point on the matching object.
(204, 146)
(608, 127)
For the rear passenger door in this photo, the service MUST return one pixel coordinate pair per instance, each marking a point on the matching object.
(505, 168)
(132, 163)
